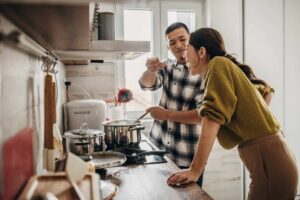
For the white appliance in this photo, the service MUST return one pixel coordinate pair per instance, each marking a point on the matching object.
(90, 111)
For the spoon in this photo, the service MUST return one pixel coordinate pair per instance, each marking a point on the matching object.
(143, 115)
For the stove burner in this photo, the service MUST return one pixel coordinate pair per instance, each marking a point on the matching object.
(143, 154)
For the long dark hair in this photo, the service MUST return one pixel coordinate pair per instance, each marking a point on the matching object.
(213, 42)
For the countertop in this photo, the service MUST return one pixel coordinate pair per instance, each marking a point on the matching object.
(149, 182)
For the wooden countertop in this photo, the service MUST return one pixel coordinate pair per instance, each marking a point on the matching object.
(149, 182)
(145, 182)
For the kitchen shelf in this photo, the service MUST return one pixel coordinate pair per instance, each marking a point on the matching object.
(47, 1)
(108, 50)
(65, 30)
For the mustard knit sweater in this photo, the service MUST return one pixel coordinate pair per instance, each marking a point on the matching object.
(231, 100)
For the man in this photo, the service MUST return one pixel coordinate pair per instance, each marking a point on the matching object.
(175, 126)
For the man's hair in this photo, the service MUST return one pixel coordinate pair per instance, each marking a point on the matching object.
(176, 25)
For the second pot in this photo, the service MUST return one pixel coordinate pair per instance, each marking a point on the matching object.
(122, 133)
(82, 142)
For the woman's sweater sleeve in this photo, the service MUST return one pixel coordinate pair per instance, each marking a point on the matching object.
(219, 101)
(264, 90)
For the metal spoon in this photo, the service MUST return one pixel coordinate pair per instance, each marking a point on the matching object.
(143, 115)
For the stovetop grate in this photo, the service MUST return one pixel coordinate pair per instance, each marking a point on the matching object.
(144, 145)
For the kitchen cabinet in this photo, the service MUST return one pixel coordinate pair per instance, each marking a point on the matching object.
(66, 30)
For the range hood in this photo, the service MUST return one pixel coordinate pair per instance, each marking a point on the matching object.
(108, 50)
(65, 30)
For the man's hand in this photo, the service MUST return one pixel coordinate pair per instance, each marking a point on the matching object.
(154, 64)
(158, 112)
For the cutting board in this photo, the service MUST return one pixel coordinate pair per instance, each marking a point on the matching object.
(18, 164)
(58, 184)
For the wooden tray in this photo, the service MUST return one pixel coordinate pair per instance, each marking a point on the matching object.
(58, 184)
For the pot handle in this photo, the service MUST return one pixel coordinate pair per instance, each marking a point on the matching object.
(81, 143)
(137, 128)
(144, 154)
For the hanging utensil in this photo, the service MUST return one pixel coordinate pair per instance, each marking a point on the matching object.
(48, 152)
(48, 106)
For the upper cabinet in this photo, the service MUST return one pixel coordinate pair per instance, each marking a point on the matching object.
(66, 29)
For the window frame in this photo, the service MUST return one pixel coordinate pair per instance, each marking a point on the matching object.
(159, 22)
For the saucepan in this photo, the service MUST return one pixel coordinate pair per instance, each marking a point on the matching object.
(81, 142)
(122, 133)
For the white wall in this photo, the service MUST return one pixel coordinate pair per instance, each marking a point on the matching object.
(95, 79)
(22, 97)
(264, 46)
(272, 48)
(292, 76)
(226, 17)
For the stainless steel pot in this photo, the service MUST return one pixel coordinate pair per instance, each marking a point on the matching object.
(122, 133)
(81, 142)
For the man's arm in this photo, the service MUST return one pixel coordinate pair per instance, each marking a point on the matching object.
(185, 117)
(149, 77)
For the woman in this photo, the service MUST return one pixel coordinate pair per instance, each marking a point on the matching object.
(235, 112)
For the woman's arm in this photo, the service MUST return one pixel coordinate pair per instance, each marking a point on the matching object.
(205, 143)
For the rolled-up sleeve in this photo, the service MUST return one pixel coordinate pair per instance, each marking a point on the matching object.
(264, 90)
(158, 82)
(219, 100)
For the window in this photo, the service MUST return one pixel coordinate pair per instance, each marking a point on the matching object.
(135, 68)
(186, 17)
(147, 20)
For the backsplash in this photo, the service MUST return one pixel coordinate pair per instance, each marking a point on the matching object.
(95, 80)
(22, 97)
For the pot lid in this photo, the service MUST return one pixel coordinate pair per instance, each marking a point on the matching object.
(82, 133)
(124, 122)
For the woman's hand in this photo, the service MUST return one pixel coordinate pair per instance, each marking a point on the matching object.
(206, 140)
(183, 177)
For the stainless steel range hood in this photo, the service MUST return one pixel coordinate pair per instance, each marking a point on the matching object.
(65, 29)
(108, 50)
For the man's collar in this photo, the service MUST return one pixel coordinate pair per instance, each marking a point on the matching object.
(180, 66)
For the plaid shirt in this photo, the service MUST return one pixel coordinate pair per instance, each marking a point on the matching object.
(181, 92)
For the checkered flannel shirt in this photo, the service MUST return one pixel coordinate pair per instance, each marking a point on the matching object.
(181, 92)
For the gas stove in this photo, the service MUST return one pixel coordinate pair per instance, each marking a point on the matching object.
(144, 146)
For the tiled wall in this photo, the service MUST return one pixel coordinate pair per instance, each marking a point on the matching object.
(22, 96)
(97, 80)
